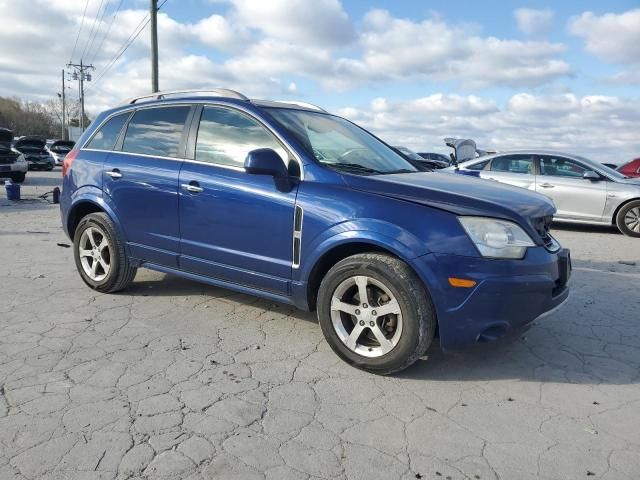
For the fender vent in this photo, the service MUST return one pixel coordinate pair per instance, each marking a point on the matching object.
(297, 235)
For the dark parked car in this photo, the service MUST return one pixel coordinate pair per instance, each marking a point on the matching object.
(288, 202)
(59, 149)
(631, 169)
(35, 153)
(12, 163)
(419, 162)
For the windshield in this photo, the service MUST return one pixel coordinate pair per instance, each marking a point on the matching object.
(608, 170)
(339, 144)
(62, 146)
(410, 154)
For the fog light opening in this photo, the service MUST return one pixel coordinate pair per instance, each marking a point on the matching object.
(492, 334)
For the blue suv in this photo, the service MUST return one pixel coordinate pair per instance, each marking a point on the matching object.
(286, 201)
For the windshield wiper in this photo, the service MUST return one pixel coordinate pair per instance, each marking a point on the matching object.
(354, 167)
(405, 170)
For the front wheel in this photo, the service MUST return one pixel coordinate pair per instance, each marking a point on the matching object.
(100, 256)
(18, 177)
(628, 219)
(375, 313)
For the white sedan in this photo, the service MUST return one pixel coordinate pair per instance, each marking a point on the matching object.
(583, 191)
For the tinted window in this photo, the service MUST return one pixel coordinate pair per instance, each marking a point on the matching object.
(478, 166)
(513, 164)
(225, 137)
(156, 131)
(106, 137)
(561, 167)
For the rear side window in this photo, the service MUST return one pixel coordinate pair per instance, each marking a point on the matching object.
(226, 136)
(513, 164)
(156, 131)
(106, 137)
(478, 166)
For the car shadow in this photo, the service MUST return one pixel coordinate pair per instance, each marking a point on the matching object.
(593, 339)
(578, 227)
(171, 286)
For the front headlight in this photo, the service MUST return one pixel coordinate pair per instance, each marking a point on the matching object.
(21, 159)
(496, 238)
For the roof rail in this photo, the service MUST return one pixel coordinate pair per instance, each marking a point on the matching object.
(303, 104)
(218, 92)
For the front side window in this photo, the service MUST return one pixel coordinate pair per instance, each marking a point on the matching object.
(513, 164)
(561, 167)
(339, 144)
(226, 136)
(156, 131)
(107, 136)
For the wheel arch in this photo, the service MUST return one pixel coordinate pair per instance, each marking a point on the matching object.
(343, 248)
(85, 206)
(620, 207)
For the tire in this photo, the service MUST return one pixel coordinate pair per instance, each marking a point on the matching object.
(92, 231)
(387, 279)
(18, 177)
(628, 219)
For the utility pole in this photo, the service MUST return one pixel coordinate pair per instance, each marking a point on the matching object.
(154, 46)
(80, 74)
(64, 110)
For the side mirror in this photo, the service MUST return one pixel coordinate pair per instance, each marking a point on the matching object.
(591, 175)
(265, 161)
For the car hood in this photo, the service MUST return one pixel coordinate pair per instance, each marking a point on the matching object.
(460, 194)
(30, 146)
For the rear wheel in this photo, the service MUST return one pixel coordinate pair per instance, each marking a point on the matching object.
(375, 313)
(100, 256)
(628, 219)
(18, 177)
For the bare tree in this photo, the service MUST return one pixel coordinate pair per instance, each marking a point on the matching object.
(33, 118)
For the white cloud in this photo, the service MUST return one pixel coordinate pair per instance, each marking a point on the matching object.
(317, 22)
(399, 49)
(602, 127)
(611, 37)
(534, 22)
(218, 32)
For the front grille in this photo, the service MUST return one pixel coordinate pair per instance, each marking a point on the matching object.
(542, 226)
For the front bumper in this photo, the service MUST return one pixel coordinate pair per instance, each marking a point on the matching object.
(40, 164)
(12, 168)
(508, 295)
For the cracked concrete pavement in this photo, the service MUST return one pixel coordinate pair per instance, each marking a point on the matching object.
(173, 379)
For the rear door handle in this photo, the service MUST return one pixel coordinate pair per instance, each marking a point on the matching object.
(547, 185)
(192, 187)
(115, 173)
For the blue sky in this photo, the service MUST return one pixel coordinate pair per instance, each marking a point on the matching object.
(561, 75)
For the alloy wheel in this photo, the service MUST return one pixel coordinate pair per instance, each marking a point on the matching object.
(95, 253)
(632, 219)
(366, 316)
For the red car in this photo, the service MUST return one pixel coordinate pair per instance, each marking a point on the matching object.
(631, 169)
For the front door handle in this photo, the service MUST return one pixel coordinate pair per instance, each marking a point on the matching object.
(192, 187)
(547, 185)
(115, 173)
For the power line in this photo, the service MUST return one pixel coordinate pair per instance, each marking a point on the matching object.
(75, 44)
(104, 37)
(136, 32)
(143, 23)
(94, 28)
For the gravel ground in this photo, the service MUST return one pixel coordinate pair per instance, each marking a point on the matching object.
(173, 379)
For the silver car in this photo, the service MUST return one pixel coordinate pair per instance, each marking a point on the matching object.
(584, 191)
